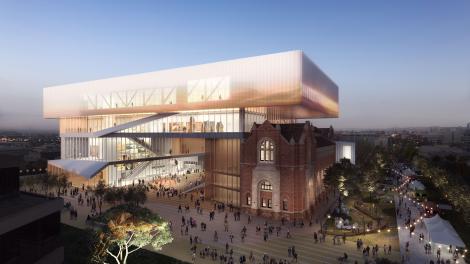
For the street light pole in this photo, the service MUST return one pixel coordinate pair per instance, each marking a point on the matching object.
(364, 225)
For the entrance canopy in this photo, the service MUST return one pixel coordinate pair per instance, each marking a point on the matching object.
(85, 168)
(442, 232)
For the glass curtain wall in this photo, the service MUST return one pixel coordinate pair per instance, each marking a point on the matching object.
(89, 124)
(127, 173)
(224, 120)
(105, 149)
(219, 120)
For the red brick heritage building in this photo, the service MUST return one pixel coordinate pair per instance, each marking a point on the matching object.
(282, 168)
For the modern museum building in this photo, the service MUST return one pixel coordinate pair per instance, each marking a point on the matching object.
(240, 124)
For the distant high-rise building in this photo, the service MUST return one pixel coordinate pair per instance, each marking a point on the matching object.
(466, 137)
(377, 138)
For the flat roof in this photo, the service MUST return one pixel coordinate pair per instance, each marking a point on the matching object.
(287, 81)
(18, 202)
(22, 208)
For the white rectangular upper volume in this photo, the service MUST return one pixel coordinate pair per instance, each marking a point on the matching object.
(289, 81)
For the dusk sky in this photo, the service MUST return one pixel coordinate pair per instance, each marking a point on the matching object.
(397, 63)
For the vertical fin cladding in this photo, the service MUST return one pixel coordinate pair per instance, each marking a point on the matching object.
(320, 93)
(288, 81)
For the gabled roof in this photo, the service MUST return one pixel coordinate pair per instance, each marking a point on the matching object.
(324, 131)
(323, 141)
(294, 131)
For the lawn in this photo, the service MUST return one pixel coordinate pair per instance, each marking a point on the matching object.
(383, 209)
(77, 249)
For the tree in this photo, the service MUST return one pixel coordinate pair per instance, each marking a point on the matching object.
(100, 190)
(135, 195)
(27, 182)
(141, 194)
(62, 181)
(127, 232)
(110, 195)
(370, 179)
(48, 181)
(341, 177)
(120, 194)
(451, 187)
(332, 176)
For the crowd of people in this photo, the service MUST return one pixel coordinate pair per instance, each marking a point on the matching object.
(267, 230)
(412, 213)
(229, 234)
(85, 197)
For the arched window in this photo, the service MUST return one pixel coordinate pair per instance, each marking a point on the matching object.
(266, 186)
(248, 199)
(266, 150)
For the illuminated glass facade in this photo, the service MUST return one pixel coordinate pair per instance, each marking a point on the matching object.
(185, 120)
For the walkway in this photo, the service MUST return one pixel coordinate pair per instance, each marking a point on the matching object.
(416, 248)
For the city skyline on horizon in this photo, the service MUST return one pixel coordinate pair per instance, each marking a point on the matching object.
(419, 63)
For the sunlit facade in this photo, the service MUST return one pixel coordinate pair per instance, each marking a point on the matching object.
(184, 120)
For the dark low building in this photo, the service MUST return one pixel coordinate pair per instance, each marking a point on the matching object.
(29, 224)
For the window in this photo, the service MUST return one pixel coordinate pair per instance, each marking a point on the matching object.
(284, 205)
(248, 199)
(210, 89)
(263, 202)
(266, 186)
(270, 203)
(347, 152)
(266, 151)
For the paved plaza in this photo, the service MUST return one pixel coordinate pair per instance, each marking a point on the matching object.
(275, 247)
